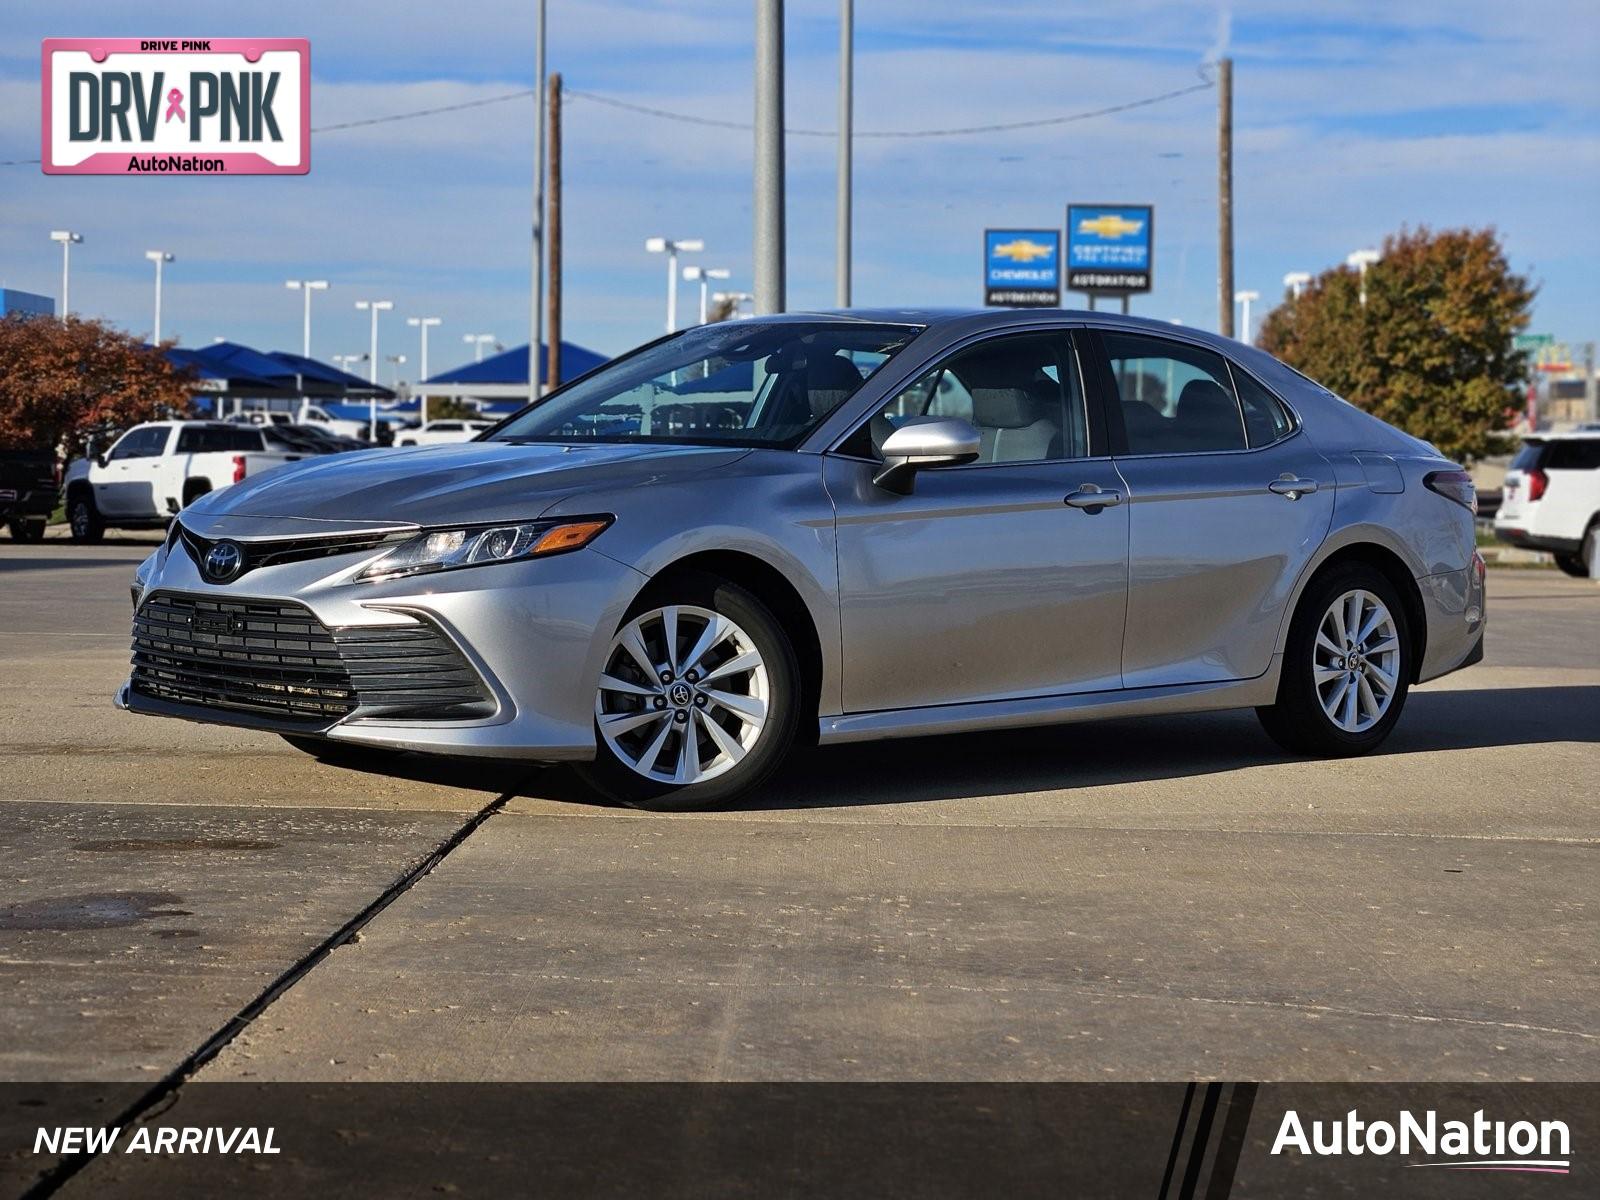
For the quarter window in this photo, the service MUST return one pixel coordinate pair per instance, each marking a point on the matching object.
(1174, 398)
(1265, 419)
(1022, 392)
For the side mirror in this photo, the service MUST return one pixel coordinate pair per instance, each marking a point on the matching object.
(924, 442)
(100, 459)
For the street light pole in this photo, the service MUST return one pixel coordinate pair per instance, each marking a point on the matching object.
(1295, 283)
(66, 237)
(307, 286)
(375, 307)
(847, 31)
(159, 257)
(1244, 299)
(1361, 260)
(536, 319)
(423, 324)
(769, 186)
(704, 275)
(477, 341)
(671, 248)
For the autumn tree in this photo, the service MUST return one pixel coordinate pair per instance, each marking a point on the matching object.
(1431, 349)
(63, 381)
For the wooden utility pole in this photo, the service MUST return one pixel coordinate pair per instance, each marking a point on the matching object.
(553, 234)
(1225, 195)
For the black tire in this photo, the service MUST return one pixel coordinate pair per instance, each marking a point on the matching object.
(84, 518)
(1573, 564)
(614, 780)
(1297, 721)
(26, 529)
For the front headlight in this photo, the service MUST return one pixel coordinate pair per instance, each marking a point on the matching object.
(446, 549)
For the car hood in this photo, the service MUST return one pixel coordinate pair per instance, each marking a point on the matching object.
(472, 482)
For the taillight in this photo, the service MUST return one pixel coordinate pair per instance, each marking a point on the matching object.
(238, 468)
(1453, 485)
(1537, 482)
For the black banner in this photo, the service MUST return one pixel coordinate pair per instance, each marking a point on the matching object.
(1171, 1141)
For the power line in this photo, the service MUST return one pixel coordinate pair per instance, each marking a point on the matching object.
(666, 114)
(958, 131)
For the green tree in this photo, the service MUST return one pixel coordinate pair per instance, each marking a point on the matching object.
(62, 381)
(1431, 351)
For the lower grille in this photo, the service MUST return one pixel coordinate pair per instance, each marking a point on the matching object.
(275, 659)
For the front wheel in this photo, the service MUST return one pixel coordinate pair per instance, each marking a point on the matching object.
(698, 702)
(84, 519)
(1347, 666)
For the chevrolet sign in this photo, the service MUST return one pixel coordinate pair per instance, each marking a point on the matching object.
(1109, 248)
(171, 106)
(1022, 268)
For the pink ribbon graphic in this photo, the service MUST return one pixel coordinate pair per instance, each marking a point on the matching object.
(175, 106)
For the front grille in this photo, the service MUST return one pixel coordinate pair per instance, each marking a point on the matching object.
(274, 659)
(285, 550)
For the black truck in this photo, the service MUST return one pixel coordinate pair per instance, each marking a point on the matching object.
(28, 492)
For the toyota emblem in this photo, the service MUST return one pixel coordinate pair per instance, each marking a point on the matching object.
(223, 562)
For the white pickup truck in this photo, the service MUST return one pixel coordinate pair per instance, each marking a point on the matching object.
(155, 469)
(439, 433)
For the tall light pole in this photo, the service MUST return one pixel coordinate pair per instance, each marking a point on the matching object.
(536, 318)
(422, 325)
(1295, 283)
(1361, 260)
(399, 360)
(672, 248)
(345, 361)
(477, 341)
(703, 275)
(847, 71)
(160, 258)
(1244, 299)
(1225, 193)
(66, 237)
(769, 188)
(375, 307)
(306, 286)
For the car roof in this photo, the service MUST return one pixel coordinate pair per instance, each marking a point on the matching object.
(980, 319)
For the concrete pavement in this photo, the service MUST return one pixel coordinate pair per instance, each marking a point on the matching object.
(1140, 899)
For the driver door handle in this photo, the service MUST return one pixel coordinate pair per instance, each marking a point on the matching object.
(1292, 487)
(1093, 498)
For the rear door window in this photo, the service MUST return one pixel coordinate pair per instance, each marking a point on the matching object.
(1578, 454)
(1174, 398)
(1529, 457)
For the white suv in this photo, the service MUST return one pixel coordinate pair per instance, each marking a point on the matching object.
(1552, 499)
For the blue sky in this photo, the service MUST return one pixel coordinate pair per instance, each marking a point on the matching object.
(1352, 119)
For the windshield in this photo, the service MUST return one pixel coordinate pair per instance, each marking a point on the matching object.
(737, 383)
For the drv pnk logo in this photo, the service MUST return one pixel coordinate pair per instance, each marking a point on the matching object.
(171, 106)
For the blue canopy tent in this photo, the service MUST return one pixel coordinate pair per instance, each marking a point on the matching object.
(511, 366)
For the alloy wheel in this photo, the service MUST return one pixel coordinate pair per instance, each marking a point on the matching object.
(1355, 661)
(684, 695)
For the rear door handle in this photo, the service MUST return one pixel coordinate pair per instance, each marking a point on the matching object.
(1292, 487)
(1093, 498)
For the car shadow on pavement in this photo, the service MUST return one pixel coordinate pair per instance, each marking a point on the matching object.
(1134, 750)
(1053, 758)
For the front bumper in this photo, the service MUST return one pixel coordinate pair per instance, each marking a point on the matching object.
(530, 630)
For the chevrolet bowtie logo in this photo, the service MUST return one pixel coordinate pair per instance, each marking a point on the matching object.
(1023, 251)
(1109, 225)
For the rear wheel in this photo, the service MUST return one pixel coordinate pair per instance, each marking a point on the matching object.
(26, 529)
(84, 518)
(1347, 666)
(698, 701)
(1573, 564)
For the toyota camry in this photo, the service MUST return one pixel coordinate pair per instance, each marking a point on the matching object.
(828, 528)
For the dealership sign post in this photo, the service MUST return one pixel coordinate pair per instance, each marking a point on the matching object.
(1110, 249)
(1022, 268)
(168, 106)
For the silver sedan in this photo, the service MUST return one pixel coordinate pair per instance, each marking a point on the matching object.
(831, 527)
